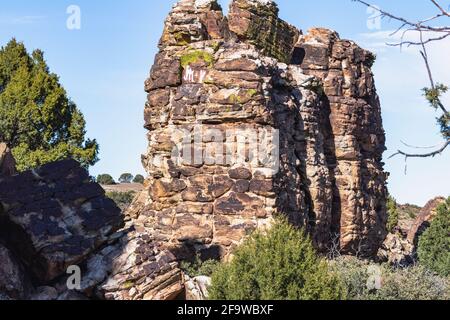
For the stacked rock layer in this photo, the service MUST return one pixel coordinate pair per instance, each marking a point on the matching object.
(249, 118)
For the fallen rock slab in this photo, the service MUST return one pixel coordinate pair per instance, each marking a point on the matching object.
(54, 217)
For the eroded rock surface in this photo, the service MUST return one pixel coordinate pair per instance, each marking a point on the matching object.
(424, 219)
(246, 117)
(54, 217)
(256, 73)
(14, 283)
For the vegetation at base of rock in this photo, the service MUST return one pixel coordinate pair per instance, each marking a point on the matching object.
(364, 280)
(126, 178)
(434, 244)
(139, 179)
(199, 268)
(393, 216)
(105, 179)
(280, 264)
(122, 199)
(37, 119)
(195, 56)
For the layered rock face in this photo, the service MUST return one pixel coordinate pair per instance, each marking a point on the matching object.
(424, 219)
(247, 118)
(54, 217)
(356, 140)
(51, 218)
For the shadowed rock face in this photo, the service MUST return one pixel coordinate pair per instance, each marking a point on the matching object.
(54, 217)
(254, 72)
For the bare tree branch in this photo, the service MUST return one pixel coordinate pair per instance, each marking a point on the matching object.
(437, 33)
(444, 12)
(425, 155)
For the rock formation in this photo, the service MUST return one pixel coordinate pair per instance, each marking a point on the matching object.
(400, 247)
(424, 219)
(247, 118)
(308, 100)
(51, 218)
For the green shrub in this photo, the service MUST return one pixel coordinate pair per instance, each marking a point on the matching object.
(139, 179)
(434, 244)
(122, 199)
(369, 281)
(413, 283)
(392, 214)
(105, 179)
(199, 267)
(126, 178)
(354, 275)
(280, 264)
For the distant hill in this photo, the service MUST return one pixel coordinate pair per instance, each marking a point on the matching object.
(124, 187)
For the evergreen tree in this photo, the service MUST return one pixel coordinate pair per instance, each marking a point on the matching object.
(278, 265)
(126, 178)
(105, 179)
(139, 179)
(37, 120)
(434, 244)
(392, 214)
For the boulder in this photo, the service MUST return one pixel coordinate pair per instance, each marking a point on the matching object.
(197, 288)
(54, 217)
(14, 283)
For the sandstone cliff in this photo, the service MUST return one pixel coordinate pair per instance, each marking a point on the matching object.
(247, 117)
(246, 73)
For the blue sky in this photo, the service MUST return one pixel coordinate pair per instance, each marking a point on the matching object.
(104, 64)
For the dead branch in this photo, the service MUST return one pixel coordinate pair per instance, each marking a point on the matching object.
(424, 155)
(421, 26)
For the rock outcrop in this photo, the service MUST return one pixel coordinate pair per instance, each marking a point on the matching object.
(247, 118)
(356, 140)
(14, 283)
(51, 218)
(424, 219)
(54, 217)
(253, 86)
(397, 251)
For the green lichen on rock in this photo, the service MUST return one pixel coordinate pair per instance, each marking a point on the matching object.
(196, 56)
(275, 37)
(251, 93)
(182, 38)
